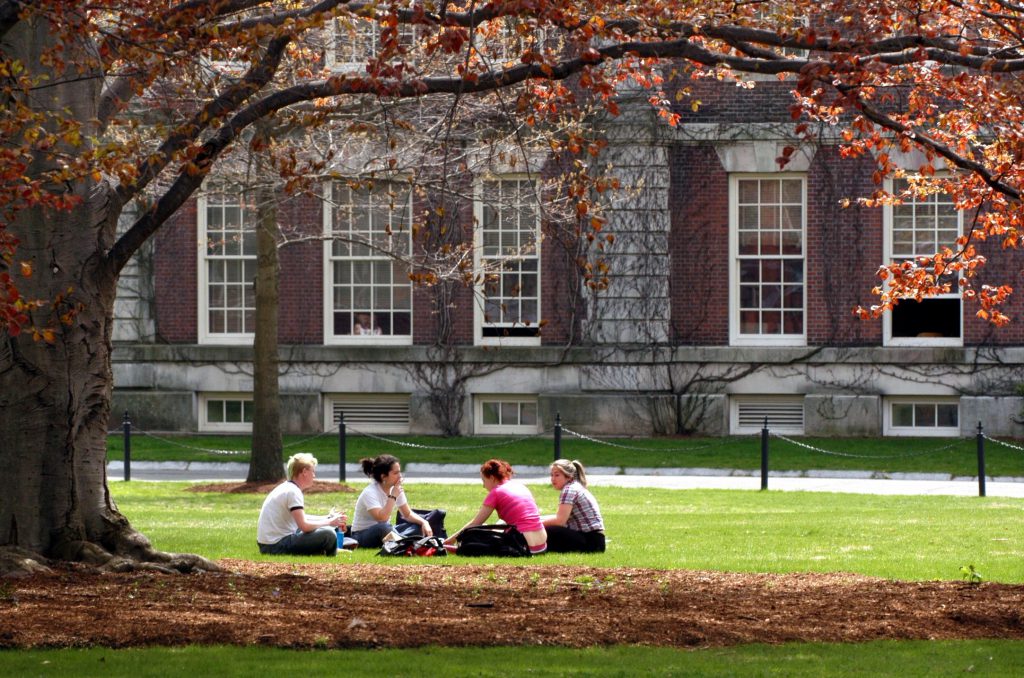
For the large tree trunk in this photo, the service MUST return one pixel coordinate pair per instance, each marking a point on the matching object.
(55, 398)
(265, 463)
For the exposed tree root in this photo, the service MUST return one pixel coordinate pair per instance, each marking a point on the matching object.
(17, 562)
(124, 549)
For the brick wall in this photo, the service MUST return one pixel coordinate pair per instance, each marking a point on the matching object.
(699, 246)
(175, 261)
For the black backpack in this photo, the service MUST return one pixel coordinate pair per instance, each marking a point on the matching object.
(433, 516)
(492, 540)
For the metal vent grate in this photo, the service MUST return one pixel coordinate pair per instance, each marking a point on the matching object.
(372, 413)
(784, 414)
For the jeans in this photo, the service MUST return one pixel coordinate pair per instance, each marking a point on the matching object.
(373, 537)
(323, 541)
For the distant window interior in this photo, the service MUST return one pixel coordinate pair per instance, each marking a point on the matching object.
(928, 318)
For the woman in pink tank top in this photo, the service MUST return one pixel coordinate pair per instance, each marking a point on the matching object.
(513, 502)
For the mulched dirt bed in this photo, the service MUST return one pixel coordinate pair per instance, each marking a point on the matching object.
(335, 604)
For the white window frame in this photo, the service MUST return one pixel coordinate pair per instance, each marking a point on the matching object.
(887, 238)
(205, 425)
(330, 338)
(762, 12)
(530, 252)
(736, 337)
(206, 335)
(505, 49)
(367, 36)
(480, 428)
(889, 428)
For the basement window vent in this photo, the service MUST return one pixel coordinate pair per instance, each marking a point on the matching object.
(785, 415)
(370, 412)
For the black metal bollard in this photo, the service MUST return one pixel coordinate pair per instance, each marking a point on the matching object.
(127, 427)
(341, 447)
(764, 455)
(981, 461)
(558, 436)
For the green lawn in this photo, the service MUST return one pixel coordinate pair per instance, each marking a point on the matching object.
(885, 455)
(899, 537)
(868, 660)
(909, 538)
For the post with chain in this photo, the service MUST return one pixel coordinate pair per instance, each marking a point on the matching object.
(127, 427)
(764, 455)
(558, 436)
(981, 461)
(341, 447)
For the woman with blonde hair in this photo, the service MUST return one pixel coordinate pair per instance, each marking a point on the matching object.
(577, 526)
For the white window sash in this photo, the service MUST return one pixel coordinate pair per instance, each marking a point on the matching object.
(480, 321)
(331, 260)
(736, 337)
(888, 224)
(205, 333)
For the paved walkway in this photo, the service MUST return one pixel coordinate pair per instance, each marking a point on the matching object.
(857, 482)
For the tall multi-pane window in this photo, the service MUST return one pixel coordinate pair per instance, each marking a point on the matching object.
(508, 256)
(369, 292)
(228, 271)
(920, 227)
(768, 235)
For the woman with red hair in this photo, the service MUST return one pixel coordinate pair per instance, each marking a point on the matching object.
(514, 503)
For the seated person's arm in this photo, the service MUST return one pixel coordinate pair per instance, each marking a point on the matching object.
(381, 515)
(559, 519)
(482, 515)
(311, 522)
(414, 517)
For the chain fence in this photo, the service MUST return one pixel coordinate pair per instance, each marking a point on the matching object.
(445, 448)
(558, 430)
(1005, 444)
(904, 455)
(638, 448)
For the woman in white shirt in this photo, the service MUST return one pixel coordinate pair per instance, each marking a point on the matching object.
(378, 501)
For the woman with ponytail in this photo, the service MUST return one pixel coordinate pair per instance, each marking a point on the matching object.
(378, 501)
(577, 526)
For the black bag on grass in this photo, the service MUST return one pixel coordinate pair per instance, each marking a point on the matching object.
(414, 546)
(492, 540)
(433, 516)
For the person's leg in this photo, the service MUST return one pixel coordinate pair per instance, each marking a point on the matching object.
(595, 542)
(281, 547)
(321, 541)
(372, 537)
(409, 530)
(563, 540)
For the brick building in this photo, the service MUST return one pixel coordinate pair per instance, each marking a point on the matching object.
(732, 285)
